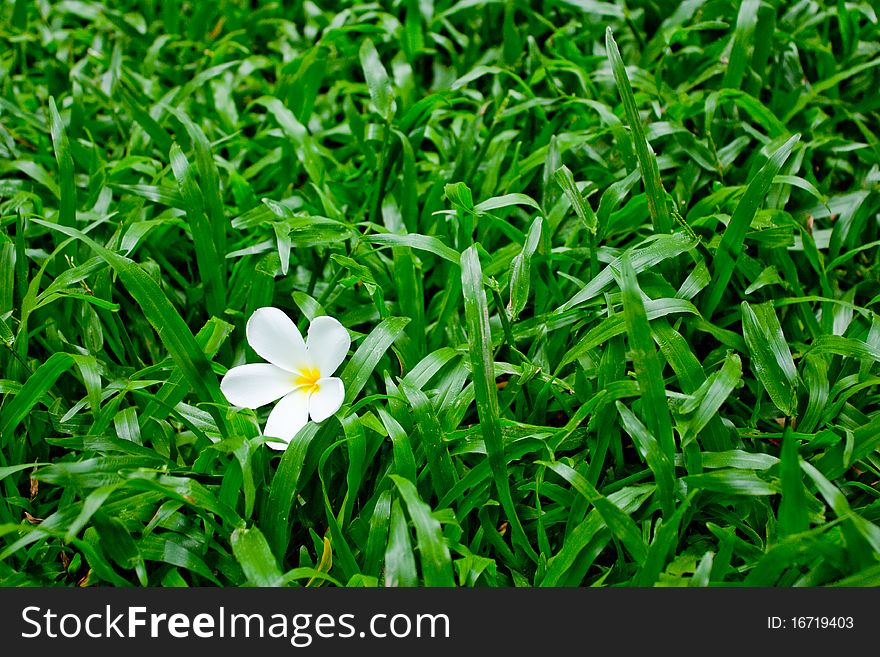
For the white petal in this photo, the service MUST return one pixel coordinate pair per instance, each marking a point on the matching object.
(327, 400)
(328, 344)
(255, 385)
(274, 336)
(289, 416)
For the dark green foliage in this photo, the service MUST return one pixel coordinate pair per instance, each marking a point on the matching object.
(610, 275)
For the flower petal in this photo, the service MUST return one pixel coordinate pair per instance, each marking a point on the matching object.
(274, 336)
(327, 400)
(289, 416)
(255, 385)
(328, 344)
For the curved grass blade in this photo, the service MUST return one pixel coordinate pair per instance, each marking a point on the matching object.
(731, 245)
(67, 184)
(654, 191)
(691, 376)
(661, 466)
(433, 551)
(836, 460)
(732, 482)
(119, 544)
(172, 551)
(12, 469)
(521, 268)
(252, 552)
(172, 330)
(400, 562)
(581, 206)
(803, 100)
(847, 347)
(404, 459)
(861, 535)
(770, 356)
(642, 258)
(377, 538)
(378, 83)
(358, 370)
(418, 242)
(621, 525)
(792, 515)
(746, 21)
(505, 201)
(210, 187)
(815, 376)
(37, 385)
(616, 325)
(646, 362)
(591, 533)
(210, 264)
(439, 462)
(303, 143)
(711, 396)
(285, 482)
(486, 394)
(90, 506)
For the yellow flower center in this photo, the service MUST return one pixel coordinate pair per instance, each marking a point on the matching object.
(308, 379)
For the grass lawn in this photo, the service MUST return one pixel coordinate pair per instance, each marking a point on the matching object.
(609, 272)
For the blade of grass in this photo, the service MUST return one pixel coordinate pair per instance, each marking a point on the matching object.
(486, 394)
(738, 60)
(400, 564)
(643, 258)
(167, 322)
(654, 191)
(646, 362)
(621, 525)
(37, 385)
(360, 367)
(711, 397)
(440, 465)
(67, 184)
(210, 264)
(792, 515)
(210, 188)
(520, 270)
(252, 552)
(285, 483)
(770, 356)
(649, 448)
(731, 245)
(433, 551)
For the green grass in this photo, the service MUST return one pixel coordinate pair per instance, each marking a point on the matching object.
(610, 272)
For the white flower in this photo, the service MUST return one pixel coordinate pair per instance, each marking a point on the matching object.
(298, 372)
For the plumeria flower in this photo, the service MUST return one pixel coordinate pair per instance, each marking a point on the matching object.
(299, 373)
